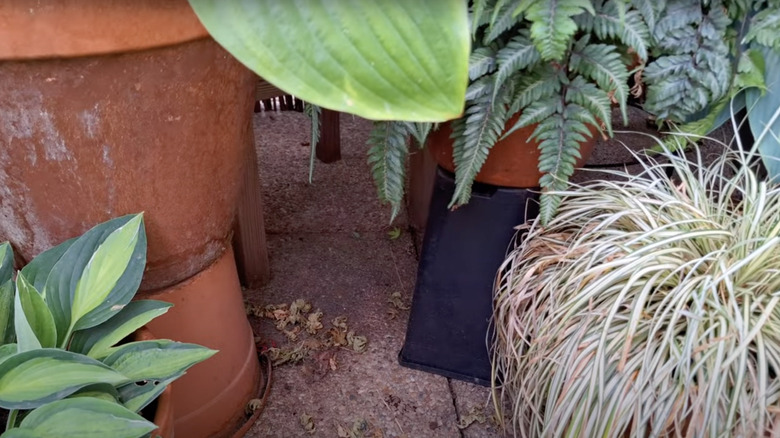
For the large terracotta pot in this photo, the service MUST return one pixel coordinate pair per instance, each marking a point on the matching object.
(117, 107)
(87, 138)
(512, 162)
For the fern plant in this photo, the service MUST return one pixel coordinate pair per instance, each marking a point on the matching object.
(563, 64)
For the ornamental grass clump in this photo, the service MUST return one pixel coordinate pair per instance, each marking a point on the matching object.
(647, 307)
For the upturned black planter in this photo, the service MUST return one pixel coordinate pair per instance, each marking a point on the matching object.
(449, 325)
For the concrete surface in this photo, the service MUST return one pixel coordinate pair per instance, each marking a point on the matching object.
(329, 244)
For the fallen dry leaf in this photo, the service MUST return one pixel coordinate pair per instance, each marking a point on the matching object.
(253, 405)
(357, 343)
(337, 337)
(314, 322)
(396, 299)
(475, 415)
(307, 422)
(340, 322)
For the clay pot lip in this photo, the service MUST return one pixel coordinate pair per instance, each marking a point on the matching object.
(31, 31)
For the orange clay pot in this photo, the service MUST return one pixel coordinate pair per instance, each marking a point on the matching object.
(85, 138)
(163, 415)
(512, 162)
(208, 309)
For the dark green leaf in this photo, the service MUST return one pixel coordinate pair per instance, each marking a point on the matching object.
(37, 271)
(6, 262)
(7, 332)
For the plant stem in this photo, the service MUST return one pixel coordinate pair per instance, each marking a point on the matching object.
(66, 339)
(11, 423)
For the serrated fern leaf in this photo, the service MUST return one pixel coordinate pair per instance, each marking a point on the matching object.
(650, 10)
(474, 135)
(518, 54)
(559, 143)
(387, 157)
(602, 64)
(540, 83)
(481, 61)
(593, 99)
(419, 130)
(314, 112)
(629, 28)
(552, 25)
(765, 28)
(502, 19)
(477, 15)
(678, 14)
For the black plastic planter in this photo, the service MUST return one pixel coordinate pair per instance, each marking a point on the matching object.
(453, 298)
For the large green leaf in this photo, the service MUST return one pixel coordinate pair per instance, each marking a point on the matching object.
(97, 341)
(137, 395)
(32, 319)
(764, 115)
(156, 360)
(6, 262)
(37, 271)
(398, 60)
(7, 350)
(83, 417)
(33, 378)
(75, 305)
(103, 391)
(7, 333)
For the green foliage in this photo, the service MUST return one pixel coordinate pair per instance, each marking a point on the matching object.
(83, 307)
(387, 155)
(552, 25)
(400, 60)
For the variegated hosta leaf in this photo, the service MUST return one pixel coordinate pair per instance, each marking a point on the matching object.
(33, 321)
(155, 360)
(97, 341)
(98, 274)
(137, 395)
(6, 262)
(82, 417)
(387, 157)
(399, 60)
(33, 378)
(7, 332)
(37, 271)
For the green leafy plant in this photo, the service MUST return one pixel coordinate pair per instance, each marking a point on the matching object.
(562, 65)
(648, 306)
(65, 369)
(400, 60)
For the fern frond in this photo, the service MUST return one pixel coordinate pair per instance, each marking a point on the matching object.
(559, 143)
(540, 83)
(482, 61)
(314, 112)
(629, 28)
(593, 99)
(552, 25)
(387, 157)
(602, 64)
(474, 135)
(419, 130)
(477, 15)
(677, 15)
(518, 54)
(479, 88)
(765, 28)
(650, 10)
(502, 20)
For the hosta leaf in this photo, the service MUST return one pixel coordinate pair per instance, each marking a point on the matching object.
(85, 417)
(7, 332)
(37, 271)
(764, 115)
(32, 378)
(97, 341)
(66, 275)
(6, 262)
(400, 60)
(7, 351)
(137, 395)
(155, 360)
(32, 319)
(553, 26)
(102, 391)
(387, 157)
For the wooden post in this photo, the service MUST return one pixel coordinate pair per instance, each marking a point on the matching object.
(422, 174)
(249, 243)
(329, 146)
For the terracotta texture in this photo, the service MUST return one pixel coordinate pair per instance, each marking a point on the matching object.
(163, 416)
(162, 131)
(512, 162)
(209, 400)
(36, 29)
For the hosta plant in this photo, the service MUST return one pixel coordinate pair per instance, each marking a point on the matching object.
(66, 368)
(562, 65)
(649, 306)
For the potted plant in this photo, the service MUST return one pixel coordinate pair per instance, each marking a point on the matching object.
(647, 307)
(66, 368)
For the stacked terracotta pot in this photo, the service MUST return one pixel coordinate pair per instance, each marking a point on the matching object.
(117, 107)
